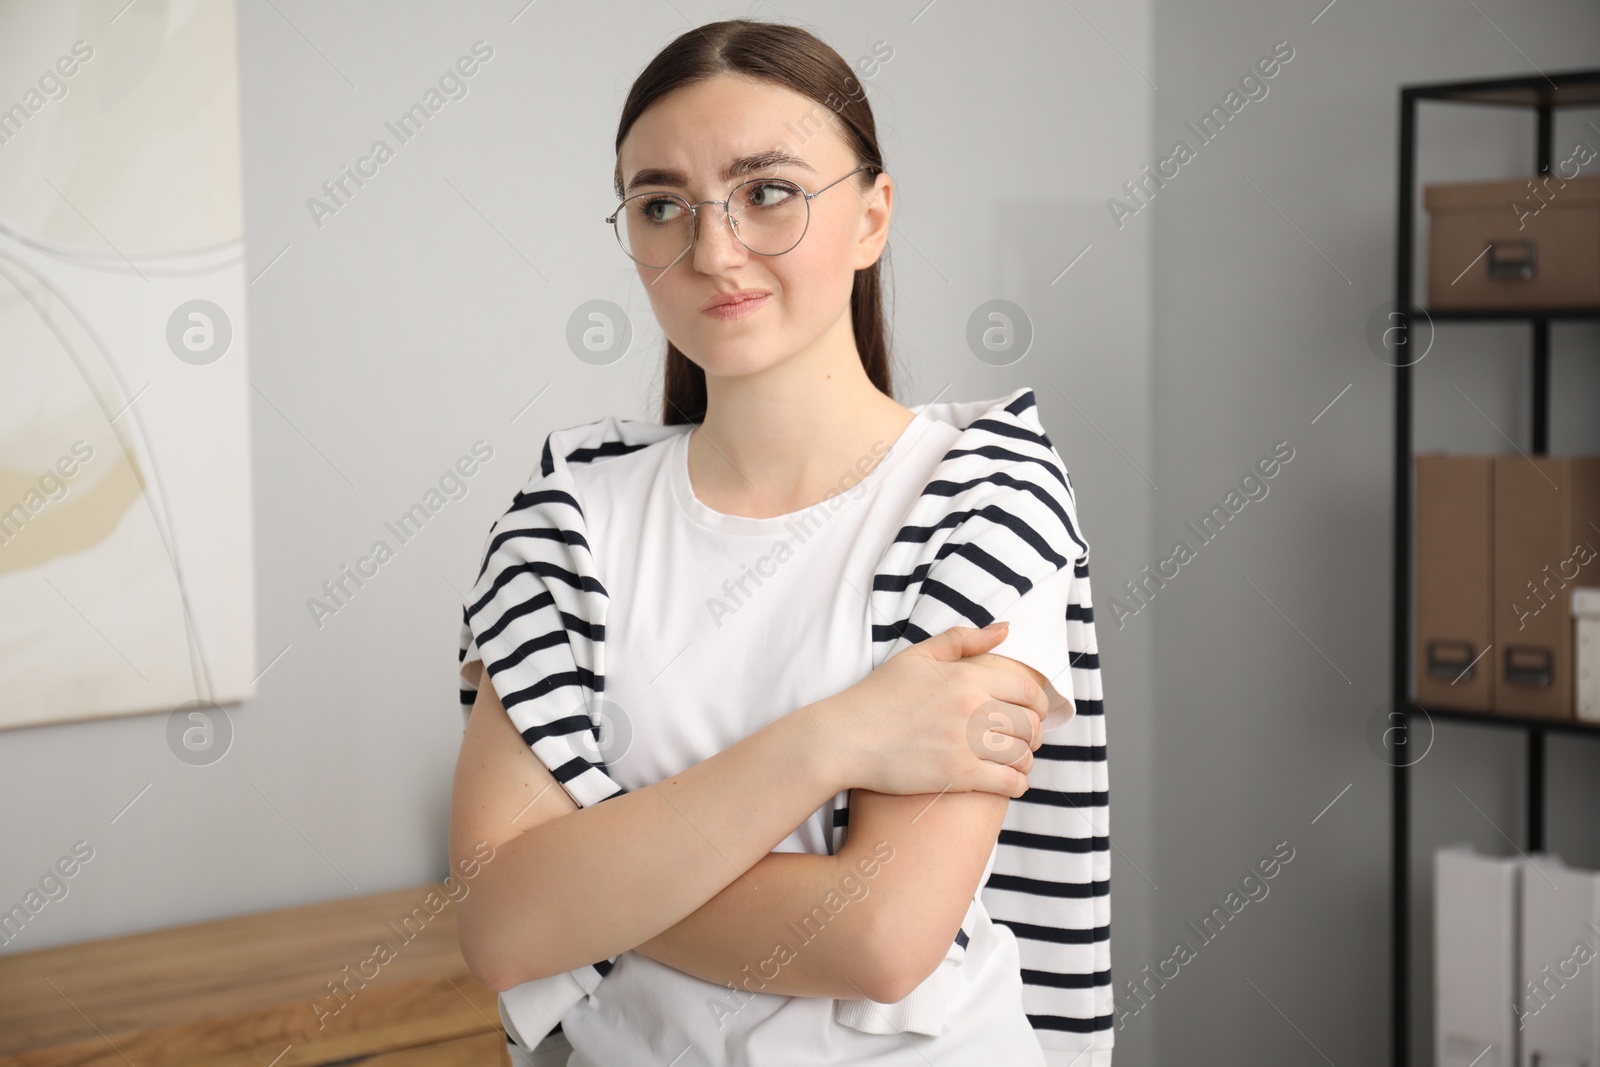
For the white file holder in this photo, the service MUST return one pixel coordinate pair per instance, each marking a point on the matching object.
(1586, 617)
(1475, 918)
(1558, 1002)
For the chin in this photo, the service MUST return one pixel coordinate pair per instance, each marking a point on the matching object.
(734, 360)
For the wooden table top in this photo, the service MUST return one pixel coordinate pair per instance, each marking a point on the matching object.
(243, 990)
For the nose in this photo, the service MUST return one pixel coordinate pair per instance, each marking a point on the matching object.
(715, 245)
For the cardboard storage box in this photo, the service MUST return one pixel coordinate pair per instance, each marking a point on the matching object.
(1454, 562)
(1546, 534)
(1515, 244)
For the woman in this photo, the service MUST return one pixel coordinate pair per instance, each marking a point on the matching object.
(798, 822)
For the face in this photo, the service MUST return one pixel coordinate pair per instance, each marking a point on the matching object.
(699, 130)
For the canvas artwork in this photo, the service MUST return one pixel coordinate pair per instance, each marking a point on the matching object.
(126, 581)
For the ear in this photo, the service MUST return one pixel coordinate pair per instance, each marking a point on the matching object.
(877, 206)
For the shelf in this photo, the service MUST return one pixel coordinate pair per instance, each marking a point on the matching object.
(1516, 722)
(1505, 315)
(1542, 94)
(1568, 88)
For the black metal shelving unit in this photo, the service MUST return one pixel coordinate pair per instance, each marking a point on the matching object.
(1543, 93)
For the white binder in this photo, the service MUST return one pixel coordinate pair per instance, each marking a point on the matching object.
(1475, 920)
(1558, 1002)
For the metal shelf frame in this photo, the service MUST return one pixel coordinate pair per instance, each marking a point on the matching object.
(1543, 93)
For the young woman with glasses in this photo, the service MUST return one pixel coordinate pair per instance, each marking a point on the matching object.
(739, 551)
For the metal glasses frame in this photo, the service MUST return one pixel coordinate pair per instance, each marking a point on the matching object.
(694, 215)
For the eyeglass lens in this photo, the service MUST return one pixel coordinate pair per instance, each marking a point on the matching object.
(768, 216)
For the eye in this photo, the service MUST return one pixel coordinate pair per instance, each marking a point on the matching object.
(660, 209)
(769, 194)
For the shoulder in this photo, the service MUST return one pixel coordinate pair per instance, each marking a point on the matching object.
(997, 519)
(622, 475)
(543, 518)
(580, 452)
(1003, 480)
(598, 441)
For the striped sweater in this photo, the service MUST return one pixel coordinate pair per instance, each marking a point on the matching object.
(998, 516)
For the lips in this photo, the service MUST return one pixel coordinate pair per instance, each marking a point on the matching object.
(734, 298)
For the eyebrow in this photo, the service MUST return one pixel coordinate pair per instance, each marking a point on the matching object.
(743, 165)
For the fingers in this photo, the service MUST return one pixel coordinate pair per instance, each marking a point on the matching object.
(1021, 721)
(1007, 782)
(1006, 734)
(1003, 681)
(1012, 686)
(959, 642)
(1002, 779)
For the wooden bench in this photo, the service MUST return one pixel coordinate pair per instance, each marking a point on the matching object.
(253, 991)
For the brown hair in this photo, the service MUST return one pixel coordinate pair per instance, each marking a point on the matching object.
(798, 60)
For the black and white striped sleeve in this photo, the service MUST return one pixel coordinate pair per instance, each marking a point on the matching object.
(533, 617)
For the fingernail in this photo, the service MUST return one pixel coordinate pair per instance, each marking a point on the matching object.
(997, 625)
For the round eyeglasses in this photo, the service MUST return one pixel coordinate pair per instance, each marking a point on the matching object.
(769, 216)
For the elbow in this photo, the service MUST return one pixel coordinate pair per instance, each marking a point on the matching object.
(484, 952)
(897, 983)
(901, 964)
(490, 980)
(497, 976)
(877, 983)
(892, 987)
(491, 973)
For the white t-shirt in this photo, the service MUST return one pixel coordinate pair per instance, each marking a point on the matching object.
(718, 625)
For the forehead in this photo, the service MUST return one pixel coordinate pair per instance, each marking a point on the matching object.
(694, 133)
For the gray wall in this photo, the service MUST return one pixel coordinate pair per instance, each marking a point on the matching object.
(1274, 651)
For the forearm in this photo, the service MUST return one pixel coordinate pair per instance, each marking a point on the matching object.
(814, 905)
(732, 936)
(893, 927)
(590, 884)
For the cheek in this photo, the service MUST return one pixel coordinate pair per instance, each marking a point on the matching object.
(810, 283)
(675, 296)
(816, 277)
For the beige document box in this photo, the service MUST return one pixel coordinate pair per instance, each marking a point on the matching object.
(1513, 245)
(1454, 563)
(1546, 534)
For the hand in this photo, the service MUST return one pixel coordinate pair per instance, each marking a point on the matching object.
(928, 720)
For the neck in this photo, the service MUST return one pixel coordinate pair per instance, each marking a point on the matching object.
(784, 438)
